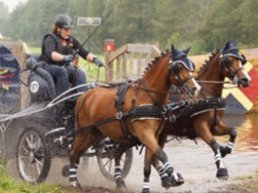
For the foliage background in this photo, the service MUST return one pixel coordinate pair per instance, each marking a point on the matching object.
(205, 25)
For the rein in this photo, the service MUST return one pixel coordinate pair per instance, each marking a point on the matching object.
(214, 82)
(218, 82)
(150, 90)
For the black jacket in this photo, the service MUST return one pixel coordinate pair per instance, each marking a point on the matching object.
(52, 42)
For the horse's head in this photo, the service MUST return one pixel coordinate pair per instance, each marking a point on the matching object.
(182, 67)
(232, 62)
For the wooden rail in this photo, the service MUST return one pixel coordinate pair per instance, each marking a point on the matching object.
(129, 61)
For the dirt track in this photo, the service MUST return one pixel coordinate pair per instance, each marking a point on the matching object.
(194, 162)
(242, 186)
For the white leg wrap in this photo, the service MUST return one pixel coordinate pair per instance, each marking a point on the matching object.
(230, 145)
(118, 172)
(218, 160)
(163, 171)
(146, 185)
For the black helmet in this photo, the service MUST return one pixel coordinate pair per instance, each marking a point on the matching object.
(64, 21)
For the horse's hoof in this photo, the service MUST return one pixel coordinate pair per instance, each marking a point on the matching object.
(120, 184)
(177, 179)
(224, 151)
(166, 182)
(169, 171)
(145, 190)
(76, 185)
(222, 174)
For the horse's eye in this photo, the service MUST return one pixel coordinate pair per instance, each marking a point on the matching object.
(180, 67)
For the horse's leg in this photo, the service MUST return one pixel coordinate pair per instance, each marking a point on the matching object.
(230, 144)
(167, 174)
(80, 144)
(206, 135)
(153, 150)
(176, 178)
(120, 183)
(222, 171)
(221, 129)
(146, 172)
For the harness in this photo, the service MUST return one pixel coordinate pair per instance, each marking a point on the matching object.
(190, 110)
(142, 112)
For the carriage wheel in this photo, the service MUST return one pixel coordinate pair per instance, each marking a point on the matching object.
(107, 164)
(33, 156)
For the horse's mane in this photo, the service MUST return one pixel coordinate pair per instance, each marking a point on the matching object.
(153, 62)
(206, 62)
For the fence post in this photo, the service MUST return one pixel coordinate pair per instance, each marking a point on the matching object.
(109, 47)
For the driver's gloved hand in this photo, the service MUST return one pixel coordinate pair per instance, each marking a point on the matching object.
(98, 62)
(68, 58)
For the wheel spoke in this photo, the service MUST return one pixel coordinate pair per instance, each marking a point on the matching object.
(123, 159)
(39, 166)
(39, 162)
(28, 142)
(25, 149)
(23, 157)
(110, 165)
(38, 144)
(106, 163)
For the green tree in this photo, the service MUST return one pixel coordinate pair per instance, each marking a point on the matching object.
(4, 18)
(221, 24)
(203, 24)
(248, 25)
(34, 19)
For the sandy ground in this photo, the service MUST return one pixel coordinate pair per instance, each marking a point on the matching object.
(194, 162)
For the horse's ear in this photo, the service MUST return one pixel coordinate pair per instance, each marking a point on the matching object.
(186, 50)
(226, 46)
(230, 45)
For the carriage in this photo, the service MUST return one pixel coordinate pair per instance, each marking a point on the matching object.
(36, 134)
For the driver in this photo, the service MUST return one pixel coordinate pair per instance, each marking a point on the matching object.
(59, 49)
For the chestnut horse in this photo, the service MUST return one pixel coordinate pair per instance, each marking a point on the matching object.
(227, 62)
(138, 113)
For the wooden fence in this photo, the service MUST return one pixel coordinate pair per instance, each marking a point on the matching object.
(129, 61)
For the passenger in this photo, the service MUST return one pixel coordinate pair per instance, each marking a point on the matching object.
(59, 49)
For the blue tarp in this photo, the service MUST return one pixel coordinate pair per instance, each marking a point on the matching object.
(9, 81)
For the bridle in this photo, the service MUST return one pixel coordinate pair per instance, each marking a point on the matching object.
(226, 64)
(174, 69)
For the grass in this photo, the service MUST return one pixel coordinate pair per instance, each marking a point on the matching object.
(93, 72)
(35, 50)
(9, 185)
